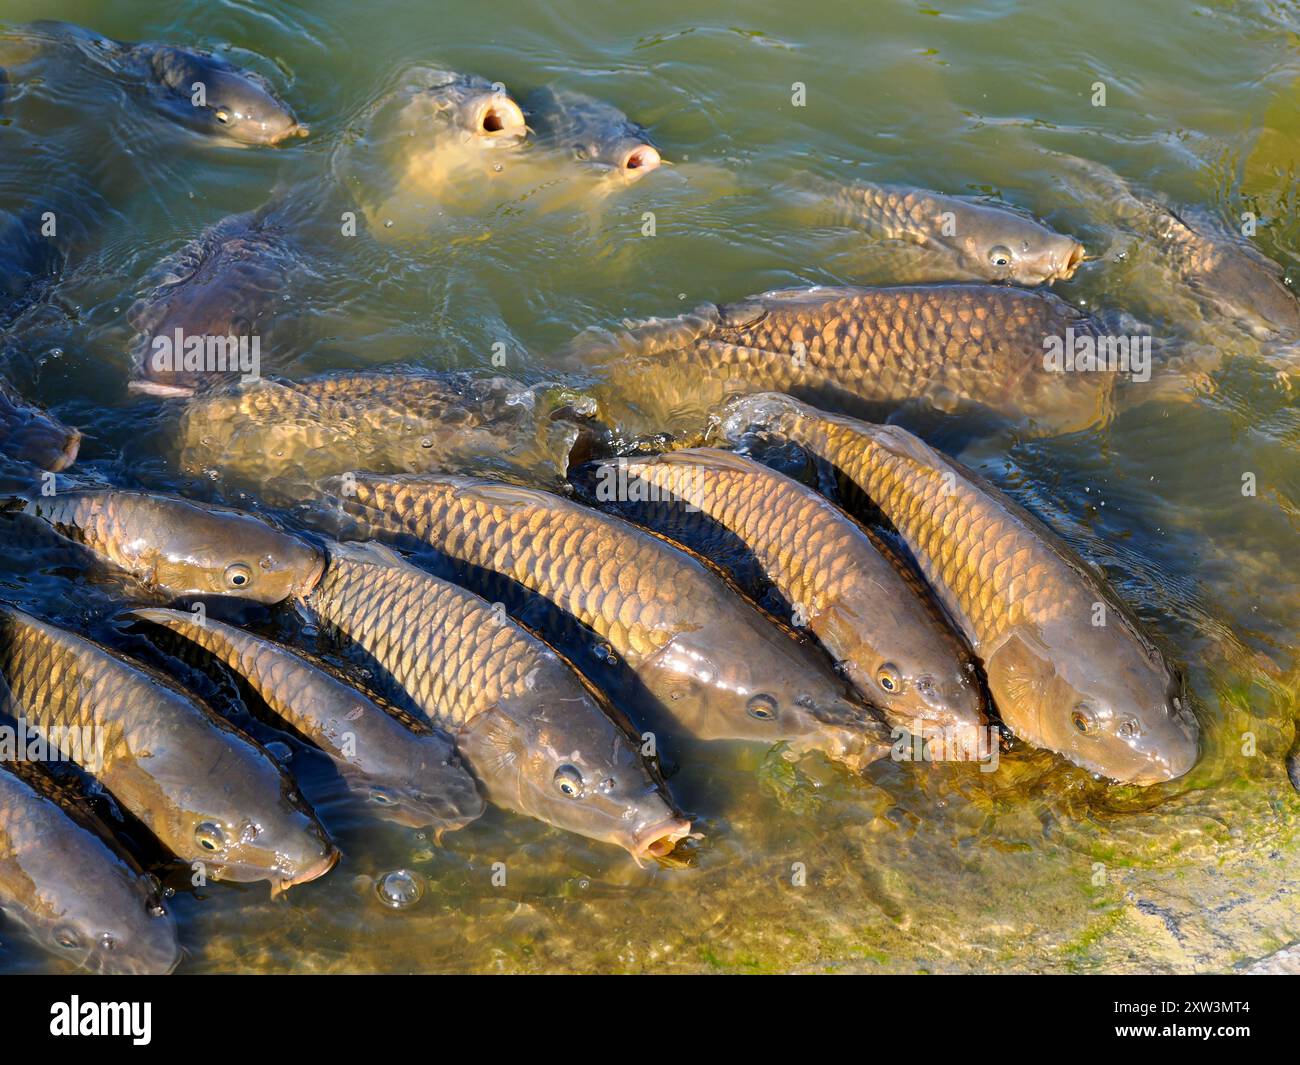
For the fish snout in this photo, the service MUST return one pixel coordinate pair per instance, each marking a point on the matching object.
(1066, 262)
(500, 117)
(640, 160)
(659, 838)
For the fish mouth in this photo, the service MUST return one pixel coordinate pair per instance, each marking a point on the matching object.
(502, 117)
(1070, 264)
(313, 578)
(68, 454)
(659, 839)
(640, 160)
(307, 874)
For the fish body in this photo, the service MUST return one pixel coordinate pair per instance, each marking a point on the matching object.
(974, 240)
(720, 667)
(31, 435)
(412, 779)
(840, 582)
(592, 130)
(528, 728)
(207, 792)
(182, 548)
(955, 346)
(74, 894)
(1068, 665)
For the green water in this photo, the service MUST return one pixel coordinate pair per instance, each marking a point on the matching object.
(935, 868)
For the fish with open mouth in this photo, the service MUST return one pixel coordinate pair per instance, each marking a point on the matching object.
(953, 346)
(73, 893)
(718, 665)
(32, 435)
(529, 729)
(593, 131)
(193, 87)
(181, 548)
(840, 581)
(208, 793)
(1069, 667)
(413, 779)
(959, 238)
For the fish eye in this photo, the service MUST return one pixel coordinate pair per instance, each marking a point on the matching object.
(223, 116)
(1000, 255)
(1083, 719)
(888, 677)
(67, 937)
(569, 781)
(762, 707)
(209, 836)
(238, 575)
(382, 797)
(1129, 728)
(106, 941)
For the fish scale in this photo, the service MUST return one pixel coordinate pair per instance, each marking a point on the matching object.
(456, 676)
(841, 583)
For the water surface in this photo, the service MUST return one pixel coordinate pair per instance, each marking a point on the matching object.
(937, 867)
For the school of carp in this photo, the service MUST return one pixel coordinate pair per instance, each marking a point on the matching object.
(784, 572)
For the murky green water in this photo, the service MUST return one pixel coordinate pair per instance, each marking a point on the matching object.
(937, 868)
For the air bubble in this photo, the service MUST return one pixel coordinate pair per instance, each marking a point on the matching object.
(400, 888)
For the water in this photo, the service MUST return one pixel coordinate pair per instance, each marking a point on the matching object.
(937, 868)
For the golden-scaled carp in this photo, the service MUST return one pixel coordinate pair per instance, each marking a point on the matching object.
(840, 582)
(529, 729)
(1006, 350)
(181, 548)
(1068, 665)
(966, 239)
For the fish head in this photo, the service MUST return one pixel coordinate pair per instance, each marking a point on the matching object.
(215, 551)
(923, 684)
(749, 678)
(233, 104)
(998, 245)
(558, 756)
(113, 925)
(243, 819)
(1113, 706)
(433, 790)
